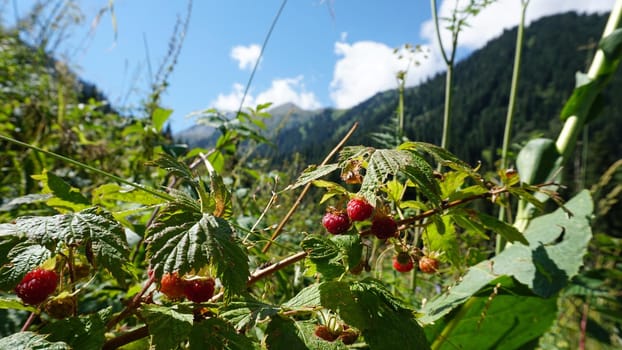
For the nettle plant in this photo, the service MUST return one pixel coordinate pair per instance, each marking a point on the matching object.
(89, 283)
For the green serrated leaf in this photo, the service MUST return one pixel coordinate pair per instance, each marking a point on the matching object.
(65, 198)
(326, 256)
(220, 196)
(84, 332)
(509, 232)
(439, 154)
(312, 173)
(246, 313)
(214, 333)
(319, 247)
(174, 167)
(93, 228)
(168, 326)
(385, 322)
(31, 341)
(382, 164)
(421, 173)
(441, 237)
(351, 248)
(181, 242)
(159, 117)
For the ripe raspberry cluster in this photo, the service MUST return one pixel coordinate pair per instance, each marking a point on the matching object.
(404, 261)
(196, 289)
(339, 222)
(36, 286)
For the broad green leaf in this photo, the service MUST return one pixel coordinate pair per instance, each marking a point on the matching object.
(583, 96)
(174, 167)
(168, 325)
(220, 197)
(350, 247)
(111, 193)
(182, 241)
(331, 255)
(444, 241)
(106, 238)
(509, 232)
(537, 161)
(65, 198)
(312, 173)
(31, 341)
(214, 333)
(94, 229)
(612, 44)
(246, 313)
(385, 322)
(421, 173)
(506, 319)
(85, 332)
(381, 164)
(282, 333)
(557, 244)
(159, 117)
(325, 256)
(439, 154)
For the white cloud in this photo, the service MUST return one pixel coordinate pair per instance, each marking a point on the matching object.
(289, 90)
(365, 68)
(368, 67)
(280, 91)
(246, 56)
(503, 14)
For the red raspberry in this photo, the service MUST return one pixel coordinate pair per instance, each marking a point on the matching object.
(336, 221)
(428, 264)
(324, 332)
(403, 262)
(383, 227)
(172, 285)
(359, 209)
(36, 286)
(348, 336)
(199, 290)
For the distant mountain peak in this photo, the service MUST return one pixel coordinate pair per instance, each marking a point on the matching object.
(288, 107)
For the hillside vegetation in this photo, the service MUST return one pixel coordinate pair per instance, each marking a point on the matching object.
(555, 48)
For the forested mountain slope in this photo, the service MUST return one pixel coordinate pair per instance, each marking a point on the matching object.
(555, 49)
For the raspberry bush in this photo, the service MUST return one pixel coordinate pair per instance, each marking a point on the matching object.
(186, 256)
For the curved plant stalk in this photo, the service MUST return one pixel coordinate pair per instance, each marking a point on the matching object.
(500, 243)
(458, 21)
(578, 107)
(449, 62)
(154, 192)
(601, 67)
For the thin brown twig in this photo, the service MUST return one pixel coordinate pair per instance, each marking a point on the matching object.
(298, 201)
(133, 305)
(126, 338)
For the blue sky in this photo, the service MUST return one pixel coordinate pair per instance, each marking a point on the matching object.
(322, 53)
